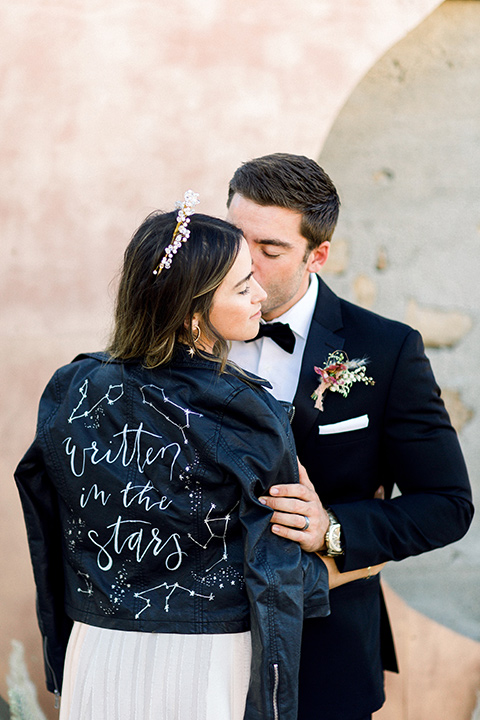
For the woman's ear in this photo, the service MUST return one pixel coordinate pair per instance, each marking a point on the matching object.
(196, 321)
(318, 257)
(192, 322)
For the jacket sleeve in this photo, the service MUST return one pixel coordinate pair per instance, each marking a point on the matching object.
(260, 452)
(40, 507)
(421, 455)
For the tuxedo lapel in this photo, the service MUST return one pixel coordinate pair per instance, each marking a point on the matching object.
(322, 339)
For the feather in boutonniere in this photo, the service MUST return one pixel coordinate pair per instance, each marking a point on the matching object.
(338, 375)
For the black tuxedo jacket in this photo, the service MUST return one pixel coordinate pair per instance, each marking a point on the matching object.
(408, 443)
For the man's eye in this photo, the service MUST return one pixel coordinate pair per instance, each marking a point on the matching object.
(271, 255)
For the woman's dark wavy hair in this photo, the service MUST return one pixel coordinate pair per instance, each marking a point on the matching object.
(154, 312)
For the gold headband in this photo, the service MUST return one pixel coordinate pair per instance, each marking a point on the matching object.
(181, 232)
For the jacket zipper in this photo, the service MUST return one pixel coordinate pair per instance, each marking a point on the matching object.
(56, 690)
(275, 691)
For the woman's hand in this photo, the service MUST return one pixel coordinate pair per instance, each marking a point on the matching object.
(336, 578)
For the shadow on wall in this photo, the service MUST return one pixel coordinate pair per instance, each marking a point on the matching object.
(404, 153)
(4, 710)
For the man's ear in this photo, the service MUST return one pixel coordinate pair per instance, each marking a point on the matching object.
(318, 257)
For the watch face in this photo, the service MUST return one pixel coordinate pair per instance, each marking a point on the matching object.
(335, 543)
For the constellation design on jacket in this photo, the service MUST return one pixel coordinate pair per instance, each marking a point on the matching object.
(187, 473)
(116, 593)
(148, 399)
(88, 590)
(74, 532)
(220, 534)
(223, 577)
(119, 587)
(172, 588)
(113, 394)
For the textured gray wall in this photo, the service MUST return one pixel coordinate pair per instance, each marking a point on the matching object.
(405, 155)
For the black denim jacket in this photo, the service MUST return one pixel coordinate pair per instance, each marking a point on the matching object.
(140, 499)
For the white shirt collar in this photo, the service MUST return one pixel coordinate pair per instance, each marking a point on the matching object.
(299, 316)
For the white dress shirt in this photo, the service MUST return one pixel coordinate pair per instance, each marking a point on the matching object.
(267, 360)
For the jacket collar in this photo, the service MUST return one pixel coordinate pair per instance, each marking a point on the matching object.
(182, 357)
(327, 311)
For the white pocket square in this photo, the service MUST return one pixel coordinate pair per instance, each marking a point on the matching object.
(344, 426)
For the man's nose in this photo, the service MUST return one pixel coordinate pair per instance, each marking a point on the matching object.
(254, 252)
(260, 295)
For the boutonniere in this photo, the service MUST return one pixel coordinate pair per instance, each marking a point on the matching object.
(338, 375)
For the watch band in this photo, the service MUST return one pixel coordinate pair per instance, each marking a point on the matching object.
(333, 536)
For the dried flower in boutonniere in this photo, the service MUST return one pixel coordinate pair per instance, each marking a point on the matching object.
(338, 375)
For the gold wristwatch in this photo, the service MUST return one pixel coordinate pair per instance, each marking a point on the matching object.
(333, 536)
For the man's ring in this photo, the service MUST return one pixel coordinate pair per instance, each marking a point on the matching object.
(307, 523)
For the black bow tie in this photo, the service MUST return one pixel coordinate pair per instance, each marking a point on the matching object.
(280, 333)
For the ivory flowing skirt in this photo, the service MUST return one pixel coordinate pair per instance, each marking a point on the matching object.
(118, 675)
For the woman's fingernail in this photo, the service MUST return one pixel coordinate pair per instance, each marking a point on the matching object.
(263, 501)
(273, 491)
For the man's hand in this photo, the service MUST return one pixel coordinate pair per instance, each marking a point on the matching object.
(293, 504)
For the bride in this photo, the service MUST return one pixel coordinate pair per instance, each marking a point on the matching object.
(161, 592)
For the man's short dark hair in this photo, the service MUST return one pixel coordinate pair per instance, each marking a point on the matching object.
(294, 182)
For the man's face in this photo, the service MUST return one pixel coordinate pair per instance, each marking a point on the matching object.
(281, 263)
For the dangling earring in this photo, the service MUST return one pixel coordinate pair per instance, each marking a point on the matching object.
(191, 349)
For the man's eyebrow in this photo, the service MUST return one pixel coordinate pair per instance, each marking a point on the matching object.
(273, 241)
(246, 279)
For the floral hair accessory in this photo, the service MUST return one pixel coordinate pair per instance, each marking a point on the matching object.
(181, 232)
(338, 375)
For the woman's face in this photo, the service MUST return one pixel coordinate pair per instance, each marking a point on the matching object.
(236, 309)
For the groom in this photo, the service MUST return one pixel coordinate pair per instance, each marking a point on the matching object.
(395, 432)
